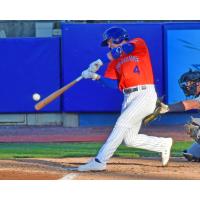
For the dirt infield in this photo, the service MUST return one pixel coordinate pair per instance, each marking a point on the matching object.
(118, 169)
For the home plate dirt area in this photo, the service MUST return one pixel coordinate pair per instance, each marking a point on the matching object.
(117, 169)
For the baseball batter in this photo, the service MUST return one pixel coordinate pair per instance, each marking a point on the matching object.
(129, 70)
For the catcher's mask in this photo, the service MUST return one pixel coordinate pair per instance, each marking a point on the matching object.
(188, 83)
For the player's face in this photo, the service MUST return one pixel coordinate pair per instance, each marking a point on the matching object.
(112, 45)
(189, 84)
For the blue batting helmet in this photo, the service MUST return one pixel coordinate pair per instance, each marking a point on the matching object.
(117, 34)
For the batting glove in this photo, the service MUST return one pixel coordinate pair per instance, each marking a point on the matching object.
(90, 75)
(94, 66)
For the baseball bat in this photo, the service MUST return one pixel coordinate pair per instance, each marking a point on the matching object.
(56, 94)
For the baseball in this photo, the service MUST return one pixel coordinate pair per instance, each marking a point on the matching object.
(36, 97)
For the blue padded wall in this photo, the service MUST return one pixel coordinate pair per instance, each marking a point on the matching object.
(81, 46)
(182, 51)
(28, 65)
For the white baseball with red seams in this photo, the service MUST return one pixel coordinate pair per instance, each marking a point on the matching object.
(36, 97)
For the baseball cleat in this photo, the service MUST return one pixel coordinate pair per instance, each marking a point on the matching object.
(92, 166)
(188, 156)
(166, 152)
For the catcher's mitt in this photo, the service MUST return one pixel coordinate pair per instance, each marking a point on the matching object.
(161, 108)
(193, 129)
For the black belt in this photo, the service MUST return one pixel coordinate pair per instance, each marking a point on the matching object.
(130, 90)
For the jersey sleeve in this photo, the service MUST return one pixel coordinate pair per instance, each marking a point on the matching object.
(109, 82)
(140, 47)
(111, 71)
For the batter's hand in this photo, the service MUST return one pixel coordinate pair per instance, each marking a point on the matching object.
(94, 66)
(90, 75)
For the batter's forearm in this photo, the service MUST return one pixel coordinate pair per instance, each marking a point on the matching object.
(108, 82)
(105, 59)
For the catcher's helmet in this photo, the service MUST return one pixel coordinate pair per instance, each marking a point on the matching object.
(188, 82)
(117, 34)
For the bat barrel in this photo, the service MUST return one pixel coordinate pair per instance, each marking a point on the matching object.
(55, 94)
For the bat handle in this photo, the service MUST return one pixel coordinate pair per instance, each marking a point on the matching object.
(79, 78)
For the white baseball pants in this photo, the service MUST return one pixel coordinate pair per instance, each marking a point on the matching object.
(135, 107)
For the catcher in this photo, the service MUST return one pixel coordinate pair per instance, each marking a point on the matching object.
(189, 82)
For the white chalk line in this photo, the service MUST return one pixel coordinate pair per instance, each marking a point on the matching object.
(69, 176)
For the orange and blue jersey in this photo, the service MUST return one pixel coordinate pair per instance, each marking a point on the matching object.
(132, 69)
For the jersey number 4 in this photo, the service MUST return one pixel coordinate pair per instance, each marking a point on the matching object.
(136, 69)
